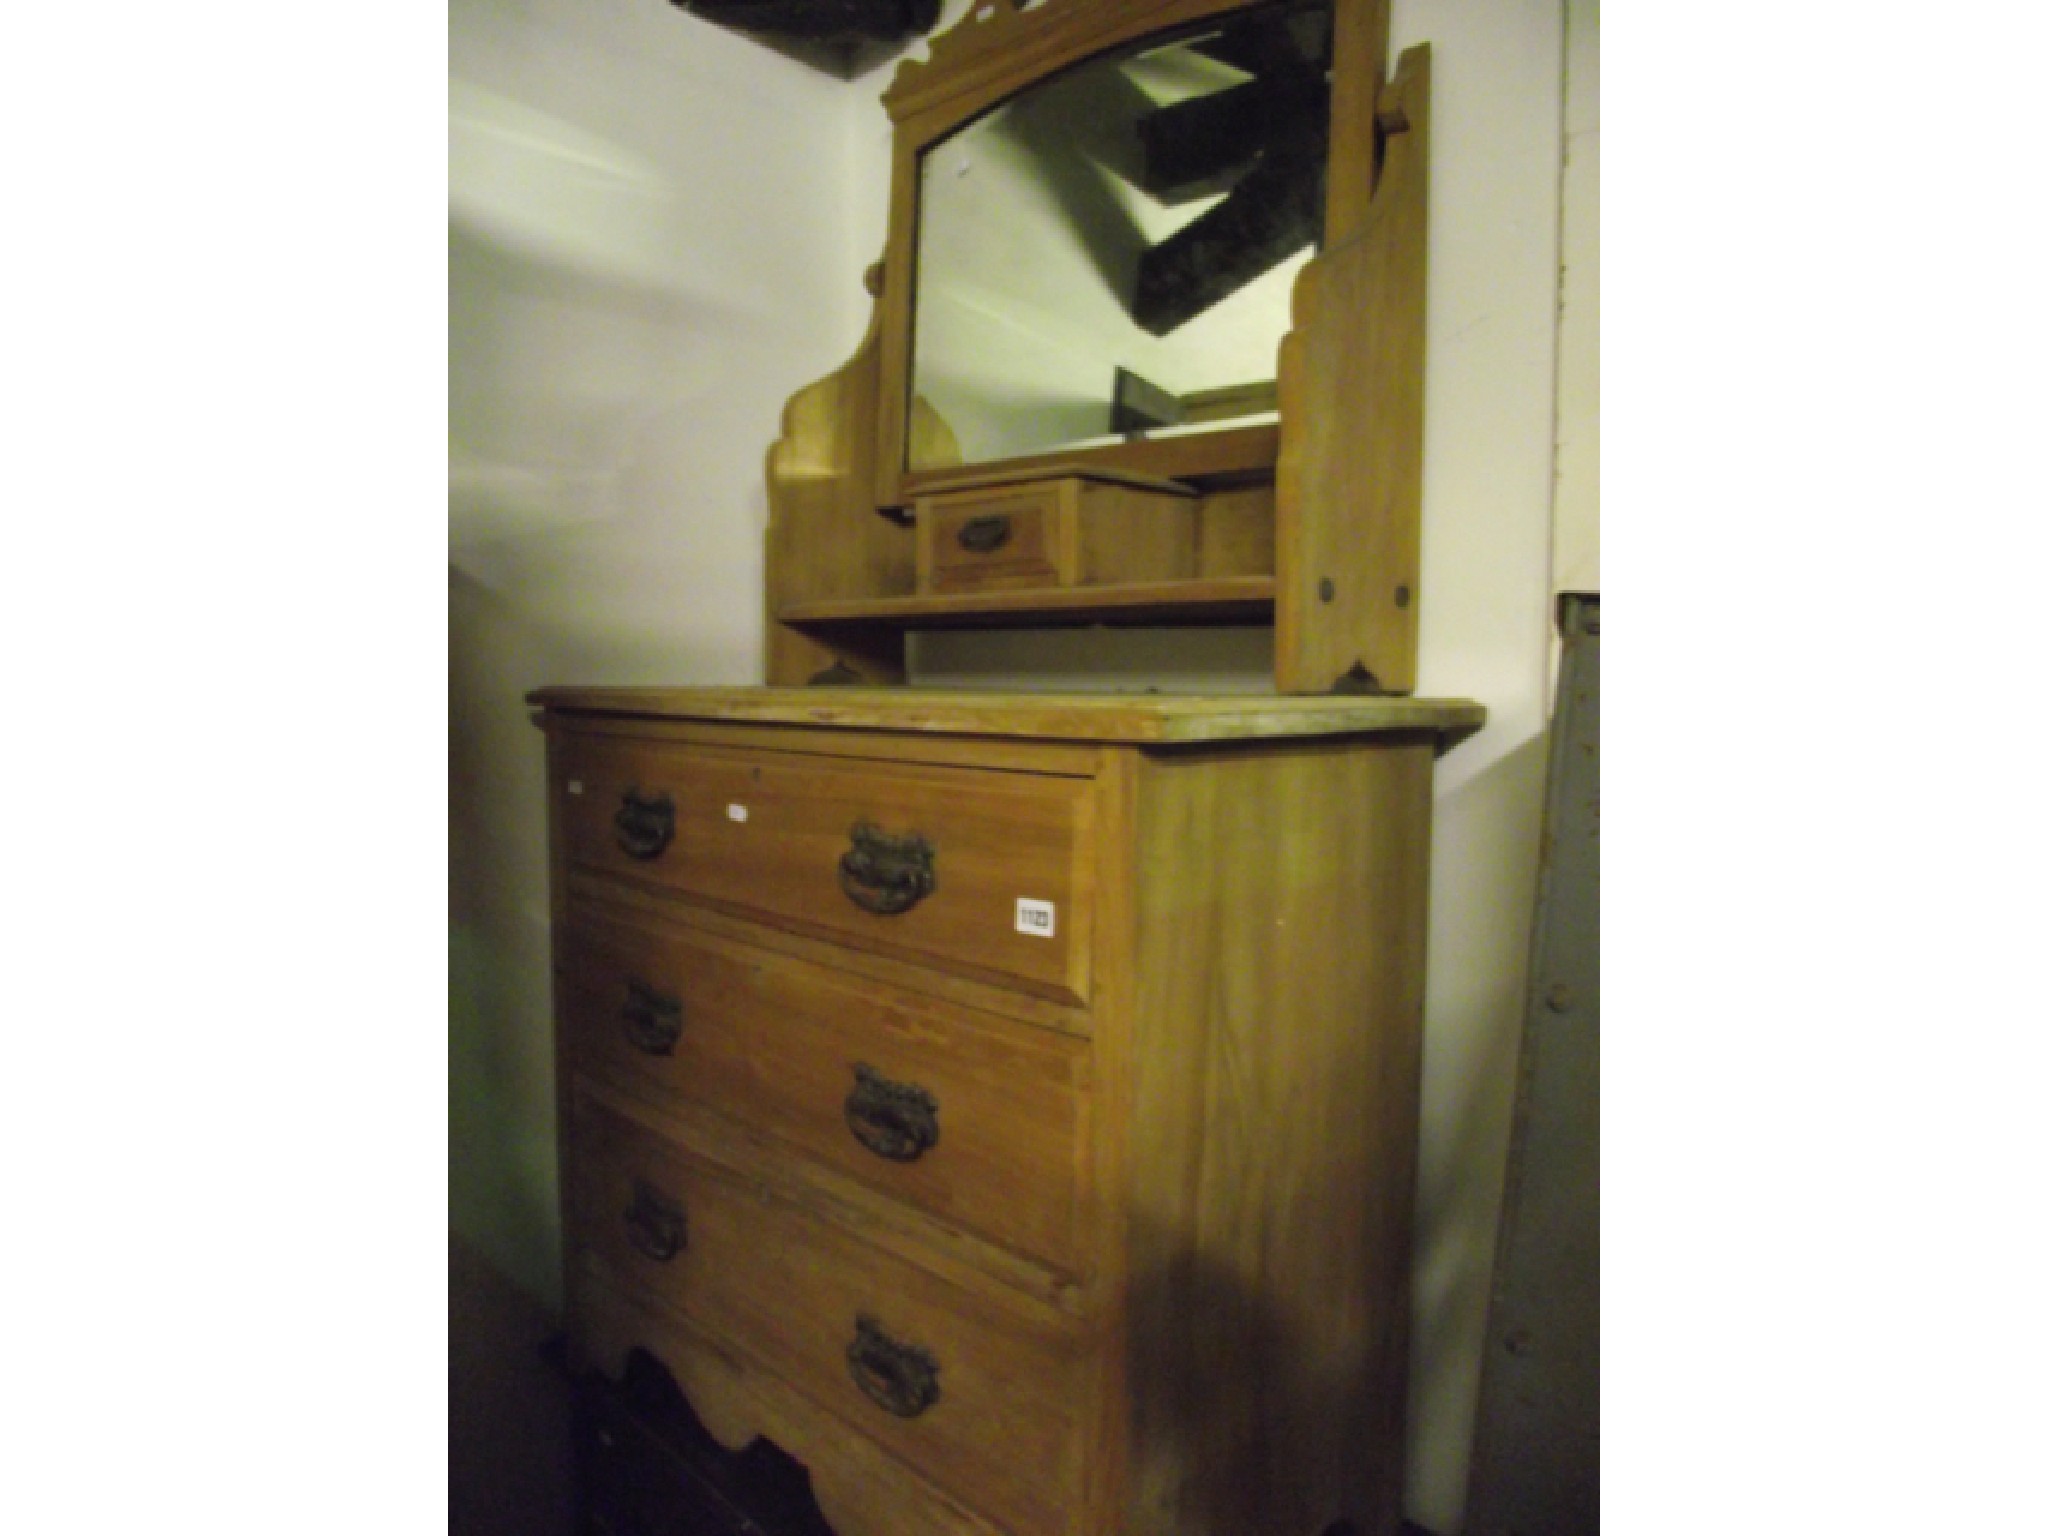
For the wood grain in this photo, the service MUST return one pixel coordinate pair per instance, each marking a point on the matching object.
(1125, 535)
(1333, 565)
(1067, 531)
(1358, 71)
(824, 539)
(993, 52)
(1035, 551)
(1002, 1434)
(1235, 535)
(1274, 1060)
(771, 1042)
(996, 49)
(1219, 456)
(1107, 1418)
(1166, 1271)
(689, 726)
(968, 991)
(763, 833)
(1242, 599)
(862, 1489)
(1349, 483)
(1140, 718)
(955, 1253)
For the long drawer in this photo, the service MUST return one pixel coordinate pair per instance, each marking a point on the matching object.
(862, 1489)
(984, 870)
(983, 1396)
(979, 1120)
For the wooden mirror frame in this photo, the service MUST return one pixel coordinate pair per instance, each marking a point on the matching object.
(995, 54)
(1334, 489)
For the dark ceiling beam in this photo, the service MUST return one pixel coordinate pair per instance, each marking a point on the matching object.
(1267, 44)
(1276, 210)
(1191, 144)
(881, 21)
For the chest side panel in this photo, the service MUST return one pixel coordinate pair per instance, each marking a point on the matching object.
(1274, 1079)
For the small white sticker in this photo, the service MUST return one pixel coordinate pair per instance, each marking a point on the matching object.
(736, 812)
(575, 786)
(1034, 917)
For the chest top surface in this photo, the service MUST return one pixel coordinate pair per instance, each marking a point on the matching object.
(1140, 719)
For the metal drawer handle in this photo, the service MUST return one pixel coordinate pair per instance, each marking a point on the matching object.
(901, 1377)
(645, 823)
(899, 1121)
(886, 874)
(653, 1020)
(656, 1224)
(984, 535)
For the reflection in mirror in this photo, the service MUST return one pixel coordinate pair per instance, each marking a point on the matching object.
(1112, 252)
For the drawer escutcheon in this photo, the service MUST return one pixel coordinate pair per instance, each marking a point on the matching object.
(657, 1225)
(887, 875)
(900, 1377)
(984, 535)
(645, 823)
(898, 1121)
(653, 1021)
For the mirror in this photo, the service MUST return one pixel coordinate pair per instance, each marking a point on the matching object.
(1110, 255)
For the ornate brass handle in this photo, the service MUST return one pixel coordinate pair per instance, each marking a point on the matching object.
(645, 823)
(653, 1021)
(886, 874)
(899, 1121)
(984, 535)
(901, 1377)
(656, 1224)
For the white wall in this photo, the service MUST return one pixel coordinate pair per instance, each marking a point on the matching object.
(1575, 548)
(1485, 634)
(644, 272)
(652, 245)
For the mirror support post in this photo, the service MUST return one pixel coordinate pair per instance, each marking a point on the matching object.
(1348, 489)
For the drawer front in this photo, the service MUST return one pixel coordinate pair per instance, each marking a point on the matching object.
(932, 863)
(988, 543)
(979, 1120)
(862, 1489)
(985, 1399)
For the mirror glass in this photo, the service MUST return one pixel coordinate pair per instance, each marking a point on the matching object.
(1111, 253)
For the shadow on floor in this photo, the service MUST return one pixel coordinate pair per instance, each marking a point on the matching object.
(511, 1446)
(511, 1462)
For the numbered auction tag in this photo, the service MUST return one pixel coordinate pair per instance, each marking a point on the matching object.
(1034, 917)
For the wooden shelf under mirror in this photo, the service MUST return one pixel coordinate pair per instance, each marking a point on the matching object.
(1232, 599)
(1309, 524)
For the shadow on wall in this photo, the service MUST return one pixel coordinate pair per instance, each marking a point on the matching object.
(602, 528)
(567, 313)
(1487, 846)
(501, 1174)
(560, 378)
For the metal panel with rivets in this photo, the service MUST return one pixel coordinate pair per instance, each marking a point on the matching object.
(1536, 1451)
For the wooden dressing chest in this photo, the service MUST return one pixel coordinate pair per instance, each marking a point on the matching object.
(1004, 1105)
